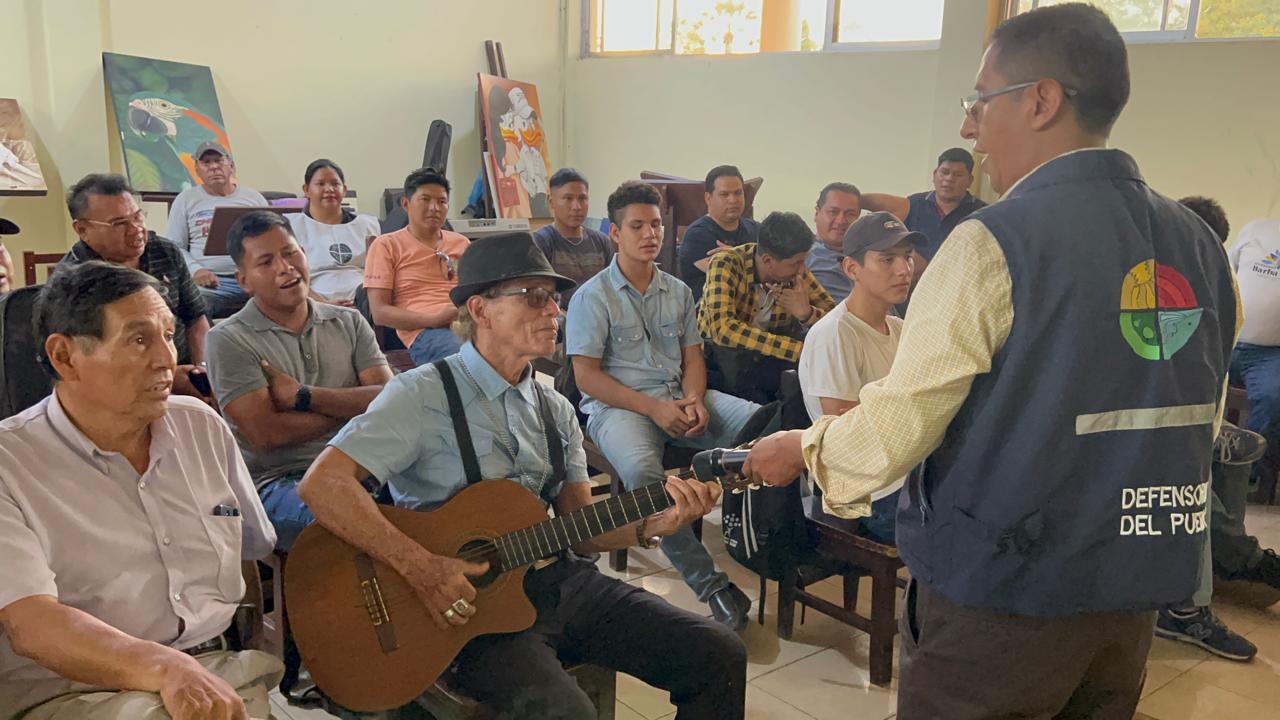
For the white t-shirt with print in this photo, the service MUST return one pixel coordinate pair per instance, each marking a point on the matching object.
(335, 253)
(1256, 259)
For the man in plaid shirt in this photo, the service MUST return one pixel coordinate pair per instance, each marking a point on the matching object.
(757, 304)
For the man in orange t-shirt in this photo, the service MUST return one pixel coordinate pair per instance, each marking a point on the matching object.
(408, 273)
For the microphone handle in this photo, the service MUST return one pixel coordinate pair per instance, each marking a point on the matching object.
(729, 462)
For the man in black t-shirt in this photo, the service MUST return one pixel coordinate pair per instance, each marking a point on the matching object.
(575, 251)
(722, 227)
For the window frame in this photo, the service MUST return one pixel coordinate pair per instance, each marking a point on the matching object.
(1154, 37)
(591, 22)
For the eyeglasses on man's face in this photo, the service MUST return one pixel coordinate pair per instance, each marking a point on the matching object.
(138, 219)
(536, 297)
(970, 104)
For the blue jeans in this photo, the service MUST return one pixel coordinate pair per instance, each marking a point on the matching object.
(433, 344)
(224, 300)
(633, 444)
(286, 511)
(1257, 367)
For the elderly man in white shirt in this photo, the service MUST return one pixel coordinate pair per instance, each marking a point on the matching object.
(125, 513)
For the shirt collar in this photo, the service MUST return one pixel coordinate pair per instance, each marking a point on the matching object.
(163, 437)
(619, 281)
(1039, 167)
(493, 385)
(317, 313)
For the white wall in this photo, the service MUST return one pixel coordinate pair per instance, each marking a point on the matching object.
(296, 80)
(1202, 118)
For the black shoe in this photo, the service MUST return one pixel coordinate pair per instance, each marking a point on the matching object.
(1200, 627)
(1266, 572)
(731, 607)
(1237, 446)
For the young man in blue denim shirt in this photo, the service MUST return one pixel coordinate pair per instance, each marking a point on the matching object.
(637, 356)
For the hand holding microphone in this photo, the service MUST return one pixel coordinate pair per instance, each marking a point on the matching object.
(775, 460)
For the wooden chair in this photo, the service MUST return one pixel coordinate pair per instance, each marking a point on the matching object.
(31, 261)
(839, 540)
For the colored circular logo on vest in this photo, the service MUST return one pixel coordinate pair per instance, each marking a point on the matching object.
(1158, 312)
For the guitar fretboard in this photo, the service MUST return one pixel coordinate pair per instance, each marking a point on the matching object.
(527, 546)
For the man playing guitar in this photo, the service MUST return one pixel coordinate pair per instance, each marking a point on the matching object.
(514, 428)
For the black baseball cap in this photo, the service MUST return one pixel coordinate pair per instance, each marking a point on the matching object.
(879, 231)
(8, 227)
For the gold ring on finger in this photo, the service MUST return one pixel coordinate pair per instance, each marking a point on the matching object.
(450, 614)
(461, 606)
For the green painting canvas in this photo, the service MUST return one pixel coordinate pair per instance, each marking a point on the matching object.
(164, 111)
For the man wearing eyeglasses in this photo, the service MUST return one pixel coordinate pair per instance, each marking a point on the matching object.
(111, 227)
(637, 355)
(1063, 372)
(409, 272)
(503, 423)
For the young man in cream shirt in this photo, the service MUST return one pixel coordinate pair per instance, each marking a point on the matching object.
(854, 344)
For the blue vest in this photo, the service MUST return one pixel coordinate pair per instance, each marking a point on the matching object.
(1075, 476)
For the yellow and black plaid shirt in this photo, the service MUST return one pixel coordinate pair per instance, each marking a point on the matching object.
(730, 304)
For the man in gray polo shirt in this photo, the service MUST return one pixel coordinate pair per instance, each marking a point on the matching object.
(288, 372)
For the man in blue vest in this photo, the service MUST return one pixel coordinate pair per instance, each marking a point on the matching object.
(1063, 374)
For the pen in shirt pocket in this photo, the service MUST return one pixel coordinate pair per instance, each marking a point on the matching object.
(226, 511)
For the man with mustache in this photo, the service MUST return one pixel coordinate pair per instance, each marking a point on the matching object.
(410, 272)
(125, 513)
(288, 371)
(839, 205)
(112, 227)
(505, 424)
(723, 227)
(637, 356)
(191, 215)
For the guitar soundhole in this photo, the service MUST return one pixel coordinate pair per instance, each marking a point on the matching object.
(486, 551)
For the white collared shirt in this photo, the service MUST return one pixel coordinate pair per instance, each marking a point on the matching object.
(145, 553)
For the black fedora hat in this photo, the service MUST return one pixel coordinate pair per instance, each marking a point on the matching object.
(498, 258)
(8, 227)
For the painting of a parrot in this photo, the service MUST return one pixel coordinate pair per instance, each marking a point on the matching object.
(164, 110)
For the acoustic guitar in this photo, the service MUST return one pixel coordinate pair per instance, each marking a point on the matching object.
(362, 632)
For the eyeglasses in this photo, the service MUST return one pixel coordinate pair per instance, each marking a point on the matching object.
(450, 267)
(970, 104)
(138, 219)
(537, 297)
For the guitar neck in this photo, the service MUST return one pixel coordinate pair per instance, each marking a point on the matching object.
(528, 545)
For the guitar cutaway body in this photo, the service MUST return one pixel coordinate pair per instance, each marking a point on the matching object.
(362, 632)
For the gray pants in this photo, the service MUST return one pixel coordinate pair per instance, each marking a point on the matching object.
(253, 674)
(1234, 549)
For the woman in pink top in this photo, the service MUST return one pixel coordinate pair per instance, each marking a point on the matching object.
(409, 273)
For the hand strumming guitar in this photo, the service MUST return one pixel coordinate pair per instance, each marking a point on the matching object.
(693, 499)
(440, 582)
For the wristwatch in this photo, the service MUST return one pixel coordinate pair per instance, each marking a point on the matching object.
(302, 401)
(643, 541)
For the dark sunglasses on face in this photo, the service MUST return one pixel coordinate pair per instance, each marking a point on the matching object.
(537, 297)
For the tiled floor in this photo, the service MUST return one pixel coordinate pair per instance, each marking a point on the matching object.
(822, 672)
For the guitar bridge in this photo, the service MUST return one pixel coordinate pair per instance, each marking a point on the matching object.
(375, 604)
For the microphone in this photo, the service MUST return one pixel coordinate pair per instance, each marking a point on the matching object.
(720, 462)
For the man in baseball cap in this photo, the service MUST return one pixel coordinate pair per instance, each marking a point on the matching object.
(855, 343)
(7, 227)
(190, 217)
(480, 414)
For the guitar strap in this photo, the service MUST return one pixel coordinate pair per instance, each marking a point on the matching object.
(470, 463)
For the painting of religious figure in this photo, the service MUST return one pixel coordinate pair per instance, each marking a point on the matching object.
(519, 163)
(164, 110)
(19, 169)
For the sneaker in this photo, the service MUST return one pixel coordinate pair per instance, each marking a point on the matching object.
(1200, 627)
(1267, 571)
(1237, 446)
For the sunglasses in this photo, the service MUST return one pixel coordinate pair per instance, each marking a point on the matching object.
(537, 298)
(450, 267)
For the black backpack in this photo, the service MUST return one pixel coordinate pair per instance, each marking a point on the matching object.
(23, 382)
(765, 529)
